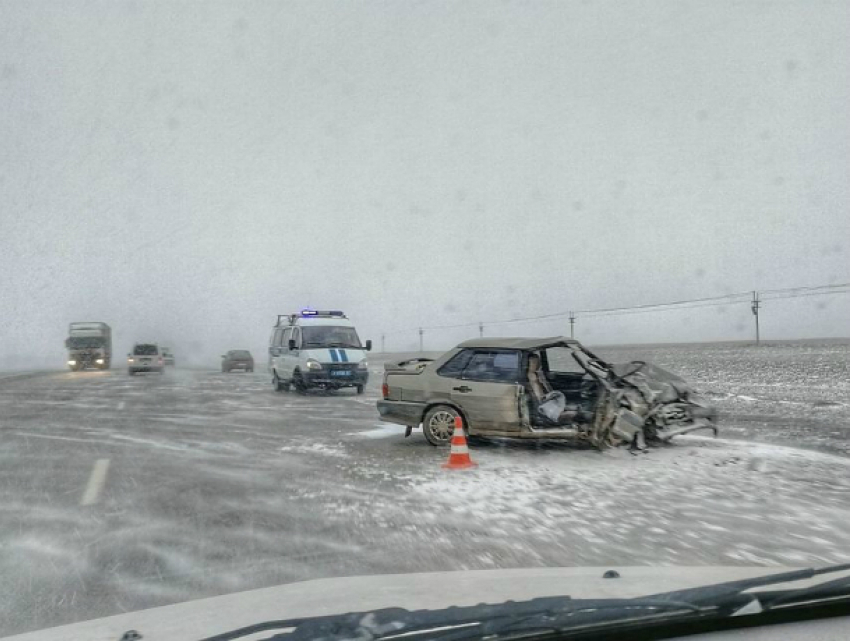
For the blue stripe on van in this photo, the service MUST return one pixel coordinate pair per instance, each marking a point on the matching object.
(343, 355)
(334, 355)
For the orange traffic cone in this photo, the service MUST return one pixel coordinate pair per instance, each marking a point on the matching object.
(459, 456)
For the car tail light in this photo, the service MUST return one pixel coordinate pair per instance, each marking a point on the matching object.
(385, 391)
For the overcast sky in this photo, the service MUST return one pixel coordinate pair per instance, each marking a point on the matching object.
(187, 170)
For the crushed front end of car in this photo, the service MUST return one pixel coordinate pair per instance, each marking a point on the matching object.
(640, 403)
(661, 402)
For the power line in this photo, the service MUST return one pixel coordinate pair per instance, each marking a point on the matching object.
(824, 288)
(725, 297)
(693, 303)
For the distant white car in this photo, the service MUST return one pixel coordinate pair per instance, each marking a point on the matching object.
(145, 357)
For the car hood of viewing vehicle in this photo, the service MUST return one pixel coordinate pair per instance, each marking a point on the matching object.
(434, 590)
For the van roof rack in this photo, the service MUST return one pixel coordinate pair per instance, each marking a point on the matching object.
(289, 319)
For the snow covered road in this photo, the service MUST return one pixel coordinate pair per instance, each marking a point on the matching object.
(121, 493)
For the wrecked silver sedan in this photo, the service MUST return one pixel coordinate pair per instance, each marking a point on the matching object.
(540, 388)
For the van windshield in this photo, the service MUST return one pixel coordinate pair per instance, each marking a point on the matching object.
(330, 336)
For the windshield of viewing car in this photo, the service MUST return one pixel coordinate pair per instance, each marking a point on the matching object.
(329, 336)
(444, 232)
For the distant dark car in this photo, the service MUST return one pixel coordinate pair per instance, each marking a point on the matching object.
(237, 359)
(167, 356)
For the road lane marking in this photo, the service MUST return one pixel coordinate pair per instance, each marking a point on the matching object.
(96, 482)
(121, 405)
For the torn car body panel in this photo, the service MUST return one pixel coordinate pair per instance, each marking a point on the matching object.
(551, 388)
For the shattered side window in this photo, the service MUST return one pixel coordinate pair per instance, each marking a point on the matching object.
(561, 360)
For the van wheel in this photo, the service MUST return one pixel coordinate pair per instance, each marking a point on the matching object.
(359, 389)
(439, 424)
(298, 382)
(279, 385)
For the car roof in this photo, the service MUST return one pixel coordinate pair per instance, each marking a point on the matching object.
(518, 342)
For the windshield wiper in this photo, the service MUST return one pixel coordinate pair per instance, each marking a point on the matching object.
(451, 623)
(568, 617)
(733, 593)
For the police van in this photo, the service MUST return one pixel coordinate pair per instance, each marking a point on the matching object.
(317, 349)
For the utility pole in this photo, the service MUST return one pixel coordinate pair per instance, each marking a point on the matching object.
(421, 332)
(756, 304)
(383, 343)
(572, 323)
(481, 330)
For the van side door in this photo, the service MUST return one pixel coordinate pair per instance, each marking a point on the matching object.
(291, 356)
(274, 345)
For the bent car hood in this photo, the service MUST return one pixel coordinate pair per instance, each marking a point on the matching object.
(434, 590)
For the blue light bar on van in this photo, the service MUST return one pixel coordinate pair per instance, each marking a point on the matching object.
(313, 312)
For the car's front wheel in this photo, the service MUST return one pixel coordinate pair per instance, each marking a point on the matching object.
(439, 424)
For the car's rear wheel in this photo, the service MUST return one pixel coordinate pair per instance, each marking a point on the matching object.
(278, 384)
(439, 424)
(359, 389)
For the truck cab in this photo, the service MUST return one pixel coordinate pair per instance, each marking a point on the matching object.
(317, 349)
(89, 345)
